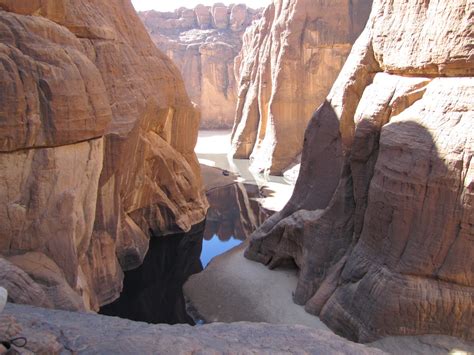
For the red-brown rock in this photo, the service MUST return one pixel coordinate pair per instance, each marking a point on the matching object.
(380, 223)
(97, 137)
(289, 60)
(203, 43)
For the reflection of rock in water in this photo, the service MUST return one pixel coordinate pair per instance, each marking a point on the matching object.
(233, 211)
(153, 292)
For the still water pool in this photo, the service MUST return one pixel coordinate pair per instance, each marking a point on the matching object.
(153, 292)
(216, 246)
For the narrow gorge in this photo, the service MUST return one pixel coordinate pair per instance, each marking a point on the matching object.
(280, 176)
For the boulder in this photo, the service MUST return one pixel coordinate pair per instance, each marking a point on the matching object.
(239, 15)
(220, 16)
(204, 17)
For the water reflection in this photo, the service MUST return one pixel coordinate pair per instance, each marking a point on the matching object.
(216, 246)
(212, 150)
(153, 292)
(233, 215)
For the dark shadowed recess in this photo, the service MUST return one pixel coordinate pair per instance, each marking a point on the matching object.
(153, 292)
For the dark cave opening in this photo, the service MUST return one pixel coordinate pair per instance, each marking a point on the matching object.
(153, 292)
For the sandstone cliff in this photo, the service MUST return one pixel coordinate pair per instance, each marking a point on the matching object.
(288, 63)
(381, 221)
(96, 148)
(203, 43)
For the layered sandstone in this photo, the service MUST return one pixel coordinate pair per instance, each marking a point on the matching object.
(289, 61)
(203, 43)
(380, 224)
(96, 148)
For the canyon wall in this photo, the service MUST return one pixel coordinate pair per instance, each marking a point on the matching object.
(203, 43)
(97, 141)
(289, 61)
(381, 221)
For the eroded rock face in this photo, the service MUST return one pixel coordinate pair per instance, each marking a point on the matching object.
(380, 223)
(203, 43)
(96, 138)
(288, 63)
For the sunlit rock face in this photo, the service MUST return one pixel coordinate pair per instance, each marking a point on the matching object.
(96, 148)
(203, 43)
(381, 220)
(289, 61)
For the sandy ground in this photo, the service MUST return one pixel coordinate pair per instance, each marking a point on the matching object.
(212, 149)
(233, 289)
(213, 178)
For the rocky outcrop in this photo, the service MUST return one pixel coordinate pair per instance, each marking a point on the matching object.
(96, 147)
(289, 61)
(203, 43)
(381, 220)
(55, 332)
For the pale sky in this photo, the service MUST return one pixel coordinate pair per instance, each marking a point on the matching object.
(170, 5)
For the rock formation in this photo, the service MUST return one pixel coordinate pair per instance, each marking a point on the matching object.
(289, 61)
(381, 221)
(203, 43)
(96, 148)
(56, 332)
